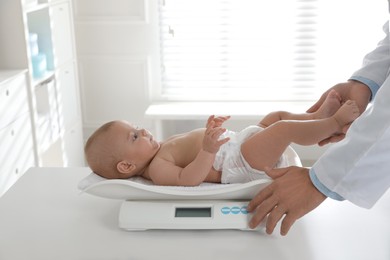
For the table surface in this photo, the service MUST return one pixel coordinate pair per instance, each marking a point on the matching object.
(44, 216)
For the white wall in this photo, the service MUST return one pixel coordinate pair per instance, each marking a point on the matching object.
(114, 49)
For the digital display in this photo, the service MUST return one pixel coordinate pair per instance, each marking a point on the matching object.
(193, 213)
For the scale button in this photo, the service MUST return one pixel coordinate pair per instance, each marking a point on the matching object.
(235, 210)
(225, 210)
(244, 210)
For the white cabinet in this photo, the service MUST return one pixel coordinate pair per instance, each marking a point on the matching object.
(16, 138)
(68, 93)
(61, 33)
(13, 96)
(73, 140)
(55, 92)
(37, 36)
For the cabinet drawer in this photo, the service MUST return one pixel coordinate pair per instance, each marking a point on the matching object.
(16, 153)
(13, 99)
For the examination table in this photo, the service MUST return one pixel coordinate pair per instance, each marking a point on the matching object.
(44, 216)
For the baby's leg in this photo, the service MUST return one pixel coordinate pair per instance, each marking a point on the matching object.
(331, 104)
(265, 148)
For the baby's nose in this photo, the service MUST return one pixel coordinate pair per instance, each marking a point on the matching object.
(144, 132)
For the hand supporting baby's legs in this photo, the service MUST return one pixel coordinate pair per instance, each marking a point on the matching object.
(265, 148)
(328, 108)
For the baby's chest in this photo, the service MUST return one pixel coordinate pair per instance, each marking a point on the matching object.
(180, 154)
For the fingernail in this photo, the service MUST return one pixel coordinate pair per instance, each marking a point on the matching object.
(251, 225)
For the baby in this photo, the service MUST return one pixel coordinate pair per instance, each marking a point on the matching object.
(118, 150)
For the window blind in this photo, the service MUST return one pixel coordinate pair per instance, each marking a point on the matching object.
(241, 49)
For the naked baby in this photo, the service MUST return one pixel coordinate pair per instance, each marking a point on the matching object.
(119, 150)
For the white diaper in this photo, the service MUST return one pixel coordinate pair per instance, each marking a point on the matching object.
(234, 167)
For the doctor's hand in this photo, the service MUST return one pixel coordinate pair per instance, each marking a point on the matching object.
(350, 90)
(291, 195)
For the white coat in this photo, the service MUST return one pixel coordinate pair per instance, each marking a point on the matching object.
(358, 167)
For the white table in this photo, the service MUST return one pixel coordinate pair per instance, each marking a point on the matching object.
(44, 217)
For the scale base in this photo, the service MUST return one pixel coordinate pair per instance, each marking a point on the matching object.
(191, 215)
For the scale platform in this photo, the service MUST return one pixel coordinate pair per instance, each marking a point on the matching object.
(207, 206)
(179, 214)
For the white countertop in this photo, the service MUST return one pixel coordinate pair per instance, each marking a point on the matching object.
(6, 75)
(242, 110)
(44, 217)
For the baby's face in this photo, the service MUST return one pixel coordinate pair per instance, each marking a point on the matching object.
(135, 145)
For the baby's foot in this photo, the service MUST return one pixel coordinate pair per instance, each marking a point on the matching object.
(331, 104)
(347, 113)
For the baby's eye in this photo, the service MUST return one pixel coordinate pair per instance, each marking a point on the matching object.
(135, 136)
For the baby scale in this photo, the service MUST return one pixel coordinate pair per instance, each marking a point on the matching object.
(208, 206)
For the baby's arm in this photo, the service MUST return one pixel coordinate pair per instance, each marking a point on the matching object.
(195, 172)
(214, 130)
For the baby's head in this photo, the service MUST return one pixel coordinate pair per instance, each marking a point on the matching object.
(117, 150)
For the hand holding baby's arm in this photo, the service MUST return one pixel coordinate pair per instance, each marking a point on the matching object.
(211, 141)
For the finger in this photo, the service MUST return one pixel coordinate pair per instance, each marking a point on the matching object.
(287, 223)
(209, 120)
(223, 141)
(260, 197)
(337, 138)
(216, 132)
(318, 104)
(222, 118)
(273, 218)
(276, 173)
(332, 139)
(324, 142)
(262, 211)
(314, 107)
(210, 127)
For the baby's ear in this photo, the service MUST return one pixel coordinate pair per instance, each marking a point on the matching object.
(125, 167)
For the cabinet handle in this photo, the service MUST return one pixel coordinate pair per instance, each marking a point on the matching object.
(12, 132)
(17, 171)
(7, 92)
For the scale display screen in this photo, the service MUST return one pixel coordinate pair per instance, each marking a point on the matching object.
(193, 212)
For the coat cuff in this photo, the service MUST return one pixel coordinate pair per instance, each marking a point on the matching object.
(373, 86)
(322, 188)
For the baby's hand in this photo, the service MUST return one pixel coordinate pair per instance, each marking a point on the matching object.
(218, 121)
(211, 142)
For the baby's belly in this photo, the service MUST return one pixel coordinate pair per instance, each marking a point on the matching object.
(214, 176)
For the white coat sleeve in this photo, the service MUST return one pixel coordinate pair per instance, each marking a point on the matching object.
(358, 167)
(376, 64)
